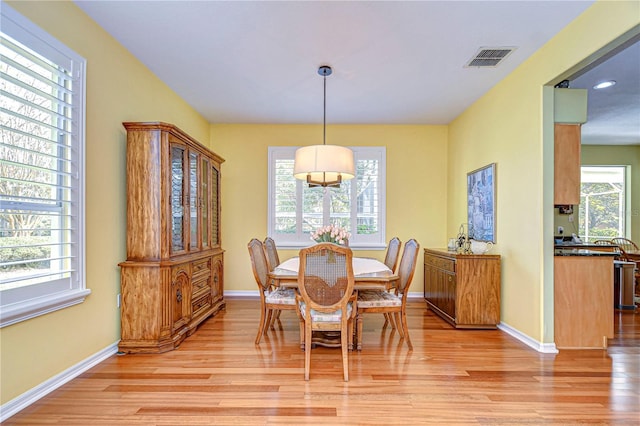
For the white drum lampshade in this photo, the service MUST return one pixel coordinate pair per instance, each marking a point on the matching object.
(324, 165)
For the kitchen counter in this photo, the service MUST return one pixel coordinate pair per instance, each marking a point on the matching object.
(583, 300)
(575, 251)
(570, 244)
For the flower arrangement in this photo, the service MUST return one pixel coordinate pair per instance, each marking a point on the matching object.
(331, 234)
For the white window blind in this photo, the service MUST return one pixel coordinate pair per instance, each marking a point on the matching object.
(295, 210)
(41, 172)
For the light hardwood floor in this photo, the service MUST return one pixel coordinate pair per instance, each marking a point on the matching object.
(218, 376)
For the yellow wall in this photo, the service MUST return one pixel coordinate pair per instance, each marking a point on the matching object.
(510, 126)
(505, 126)
(625, 155)
(119, 88)
(416, 187)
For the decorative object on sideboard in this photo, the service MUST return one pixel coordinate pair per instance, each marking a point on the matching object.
(480, 247)
(462, 241)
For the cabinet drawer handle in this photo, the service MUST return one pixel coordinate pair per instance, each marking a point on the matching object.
(178, 295)
(450, 278)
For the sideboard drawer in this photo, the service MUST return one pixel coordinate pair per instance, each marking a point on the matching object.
(199, 287)
(200, 305)
(201, 268)
(441, 263)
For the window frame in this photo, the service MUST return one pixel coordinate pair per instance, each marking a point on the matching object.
(22, 303)
(302, 239)
(624, 222)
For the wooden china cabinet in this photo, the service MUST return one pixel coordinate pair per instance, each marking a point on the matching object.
(172, 279)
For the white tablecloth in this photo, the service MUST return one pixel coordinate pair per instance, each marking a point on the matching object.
(361, 265)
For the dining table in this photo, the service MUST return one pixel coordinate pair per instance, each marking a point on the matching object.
(369, 274)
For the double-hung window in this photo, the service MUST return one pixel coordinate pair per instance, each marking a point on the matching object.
(41, 172)
(295, 210)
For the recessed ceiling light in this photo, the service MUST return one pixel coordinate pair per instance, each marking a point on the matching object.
(604, 84)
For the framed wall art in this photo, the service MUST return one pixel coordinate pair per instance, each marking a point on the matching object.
(481, 203)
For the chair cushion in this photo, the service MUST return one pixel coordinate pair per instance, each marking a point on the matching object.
(376, 299)
(325, 316)
(281, 296)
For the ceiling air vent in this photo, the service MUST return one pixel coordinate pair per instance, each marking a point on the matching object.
(489, 57)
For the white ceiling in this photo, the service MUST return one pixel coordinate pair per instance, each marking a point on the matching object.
(613, 114)
(394, 62)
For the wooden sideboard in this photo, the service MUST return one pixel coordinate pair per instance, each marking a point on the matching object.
(464, 289)
(172, 279)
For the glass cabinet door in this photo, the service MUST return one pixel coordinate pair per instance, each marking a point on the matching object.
(215, 206)
(177, 198)
(204, 198)
(194, 222)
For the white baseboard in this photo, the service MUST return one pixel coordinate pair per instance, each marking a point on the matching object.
(547, 348)
(29, 397)
(242, 294)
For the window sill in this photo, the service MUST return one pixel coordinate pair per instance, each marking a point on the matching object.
(32, 308)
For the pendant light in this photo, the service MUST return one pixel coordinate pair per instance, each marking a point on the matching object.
(324, 165)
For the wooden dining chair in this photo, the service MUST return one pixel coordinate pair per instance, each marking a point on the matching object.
(393, 253)
(273, 260)
(627, 245)
(619, 249)
(614, 248)
(326, 297)
(391, 302)
(391, 261)
(272, 300)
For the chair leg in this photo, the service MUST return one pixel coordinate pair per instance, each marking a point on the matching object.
(276, 319)
(344, 342)
(268, 324)
(405, 329)
(392, 320)
(307, 350)
(261, 326)
(272, 320)
(388, 320)
(359, 331)
(397, 320)
(350, 332)
(302, 337)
